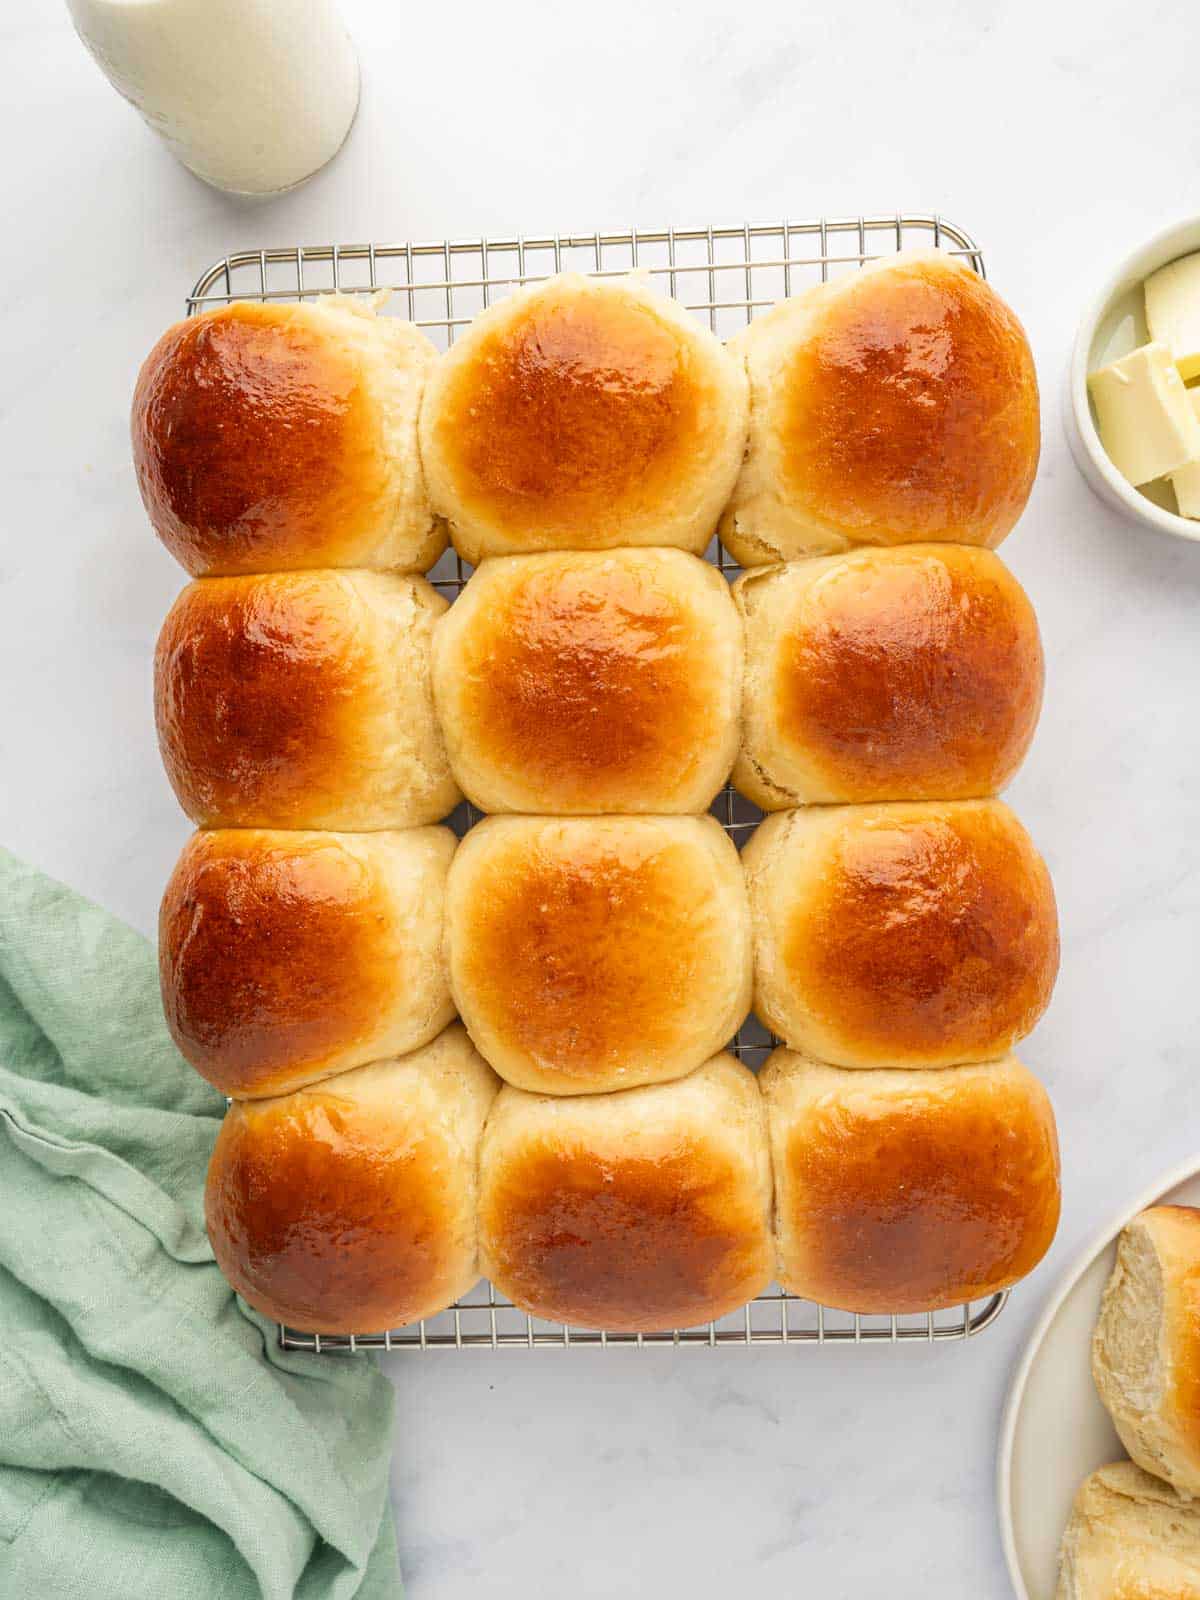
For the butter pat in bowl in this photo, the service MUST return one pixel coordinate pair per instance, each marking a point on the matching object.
(1144, 414)
(1132, 423)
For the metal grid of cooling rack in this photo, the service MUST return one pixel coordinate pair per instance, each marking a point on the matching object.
(485, 1320)
(724, 275)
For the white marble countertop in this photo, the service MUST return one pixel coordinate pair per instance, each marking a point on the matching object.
(1060, 135)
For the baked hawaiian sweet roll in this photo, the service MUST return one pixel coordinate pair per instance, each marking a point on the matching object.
(918, 934)
(902, 1191)
(303, 700)
(1146, 1349)
(588, 682)
(287, 956)
(581, 414)
(636, 1211)
(1130, 1537)
(906, 674)
(894, 405)
(351, 1206)
(592, 953)
(268, 437)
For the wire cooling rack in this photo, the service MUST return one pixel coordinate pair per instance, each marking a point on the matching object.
(724, 275)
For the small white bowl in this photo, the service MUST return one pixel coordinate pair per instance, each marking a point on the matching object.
(1115, 325)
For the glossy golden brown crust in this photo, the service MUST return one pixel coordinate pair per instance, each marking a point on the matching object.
(904, 674)
(943, 928)
(912, 412)
(284, 956)
(304, 1217)
(629, 1244)
(563, 412)
(908, 935)
(597, 953)
(350, 1207)
(302, 699)
(910, 1191)
(583, 414)
(591, 682)
(587, 1219)
(254, 696)
(247, 427)
(893, 405)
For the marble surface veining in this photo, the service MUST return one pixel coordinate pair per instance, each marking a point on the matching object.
(1060, 135)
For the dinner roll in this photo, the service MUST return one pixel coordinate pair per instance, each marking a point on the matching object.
(601, 681)
(593, 953)
(1130, 1537)
(892, 405)
(285, 957)
(580, 414)
(267, 437)
(637, 1211)
(906, 674)
(1146, 1350)
(906, 935)
(302, 700)
(902, 1191)
(350, 1206)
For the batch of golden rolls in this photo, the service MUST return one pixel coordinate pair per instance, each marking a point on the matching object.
(1134, 1532)
(581, 1136)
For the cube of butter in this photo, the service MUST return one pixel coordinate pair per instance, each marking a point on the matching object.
(1145, 419)
(1173, 312)
(1186, 481)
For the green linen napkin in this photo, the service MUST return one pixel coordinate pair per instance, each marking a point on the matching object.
(154, 1440)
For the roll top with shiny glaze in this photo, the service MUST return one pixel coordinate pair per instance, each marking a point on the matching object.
(635, 1211)
(894, 405)
(594, 953)
(285, 957)
(303, 700)
(583, 414)
(902, 1191)
(274, 436)
(906, 674)
(919, 934)
(591, 682)
(352, 1205)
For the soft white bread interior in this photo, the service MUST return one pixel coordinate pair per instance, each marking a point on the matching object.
(1146, 1349)
(1130, 1537)
(906, 674)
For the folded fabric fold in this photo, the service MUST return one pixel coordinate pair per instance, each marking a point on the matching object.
(154, 1440)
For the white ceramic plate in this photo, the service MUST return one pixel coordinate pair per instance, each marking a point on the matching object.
(1055, 1430)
